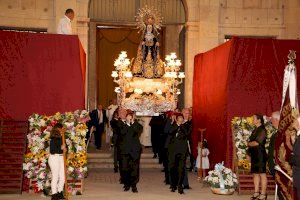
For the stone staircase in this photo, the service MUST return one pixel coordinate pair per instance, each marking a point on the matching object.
(246, 185)
(12, 149)
(105, 161)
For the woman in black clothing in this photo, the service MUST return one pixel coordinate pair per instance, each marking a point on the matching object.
(56, 162)
(258, 155)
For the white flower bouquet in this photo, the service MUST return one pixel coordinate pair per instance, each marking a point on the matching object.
(222, 178)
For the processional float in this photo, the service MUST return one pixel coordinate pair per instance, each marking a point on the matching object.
(146, 84)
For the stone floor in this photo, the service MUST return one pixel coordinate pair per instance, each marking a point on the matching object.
(104, 185)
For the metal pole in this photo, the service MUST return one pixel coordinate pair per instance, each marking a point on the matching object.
(276, 190)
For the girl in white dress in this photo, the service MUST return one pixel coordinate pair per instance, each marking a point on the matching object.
(205, 160)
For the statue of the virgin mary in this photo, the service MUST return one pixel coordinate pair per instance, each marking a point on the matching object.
(148, 63)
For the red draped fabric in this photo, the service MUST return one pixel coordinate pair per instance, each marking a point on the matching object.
(40, 73)
(239, 78)
(210, 99)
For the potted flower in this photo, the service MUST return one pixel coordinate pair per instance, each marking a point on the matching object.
(221, 180)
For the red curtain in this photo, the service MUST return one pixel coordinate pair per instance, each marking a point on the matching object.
(239, 78)
(40, 73)
(210, 99)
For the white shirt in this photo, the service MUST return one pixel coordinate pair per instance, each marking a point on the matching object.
(64, 26)
(100, 115)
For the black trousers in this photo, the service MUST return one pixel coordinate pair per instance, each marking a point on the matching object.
(129, 170)
(155, 140)
(177, 169)
(166, 166)
(115, 156)
(98, 135)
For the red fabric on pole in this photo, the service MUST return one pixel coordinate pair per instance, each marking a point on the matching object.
(253, 84)
(40, 73)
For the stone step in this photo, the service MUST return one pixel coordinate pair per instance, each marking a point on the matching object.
(99, 155)
(111, 166)
(110, 155)
(110, 160)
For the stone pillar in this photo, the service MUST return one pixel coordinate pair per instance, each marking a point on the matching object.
(208, 25)
(83, 22)
(172, 39)
(291, 19)
(191, 49)
(92, 69)
(202, 35)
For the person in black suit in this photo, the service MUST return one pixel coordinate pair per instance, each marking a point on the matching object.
(187, 121)
(177, 153)
(168, 124)
(113, 125)
(157, 129)
(98, 120)
(130, 150)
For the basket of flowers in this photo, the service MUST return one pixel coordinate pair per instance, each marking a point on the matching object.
(221, 180)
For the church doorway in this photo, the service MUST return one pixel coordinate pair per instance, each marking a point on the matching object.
(113, 29)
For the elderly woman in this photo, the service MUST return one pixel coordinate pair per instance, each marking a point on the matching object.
(258, 155)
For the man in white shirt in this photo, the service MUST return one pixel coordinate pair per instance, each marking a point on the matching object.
(98, 120)
(64, 26)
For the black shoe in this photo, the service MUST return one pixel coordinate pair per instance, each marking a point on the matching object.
(54, 196)
(187, 187)
(180, 190)
(154, 156)
(173, 189)
(126, 188)
(116, 170)
(262, 197)
(134, 190)
(60, 195)
(255, 195)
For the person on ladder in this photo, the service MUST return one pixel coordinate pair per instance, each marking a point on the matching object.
(56, 162)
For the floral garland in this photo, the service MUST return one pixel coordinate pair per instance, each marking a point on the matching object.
(36, 160)
(219, 175)
(242, 128)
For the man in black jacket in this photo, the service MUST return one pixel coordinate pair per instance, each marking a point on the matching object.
(157, 128)
(168, 124)
(177, 153)
(130, 149)
(98, 120)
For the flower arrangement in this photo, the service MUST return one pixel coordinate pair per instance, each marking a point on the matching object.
(36, 160)
(244, 164)
(242, 128)
(222, 178)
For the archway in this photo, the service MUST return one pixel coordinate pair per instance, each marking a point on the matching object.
(119, 15)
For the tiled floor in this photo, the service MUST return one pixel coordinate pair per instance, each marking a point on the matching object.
(105, 185)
